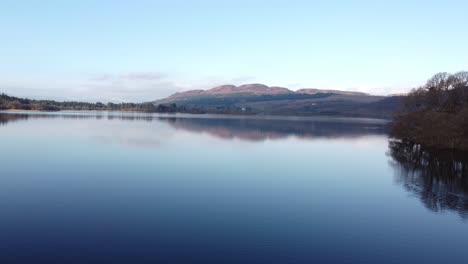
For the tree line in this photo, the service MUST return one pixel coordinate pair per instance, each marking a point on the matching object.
(15, 103)
(436, 114)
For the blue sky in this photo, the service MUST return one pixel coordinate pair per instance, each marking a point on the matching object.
(143, 50)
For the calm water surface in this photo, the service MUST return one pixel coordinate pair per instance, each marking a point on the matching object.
(137, 188)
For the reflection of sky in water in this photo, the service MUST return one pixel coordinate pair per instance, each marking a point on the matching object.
(125, 189)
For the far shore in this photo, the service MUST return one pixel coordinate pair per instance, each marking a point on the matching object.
(21, 110)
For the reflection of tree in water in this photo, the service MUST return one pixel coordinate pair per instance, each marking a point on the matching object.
(5, 118)
(10, 117)
(439, 178)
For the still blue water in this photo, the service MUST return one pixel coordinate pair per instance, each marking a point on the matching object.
(140, 188)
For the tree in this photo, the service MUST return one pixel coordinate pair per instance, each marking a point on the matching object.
(436, 114)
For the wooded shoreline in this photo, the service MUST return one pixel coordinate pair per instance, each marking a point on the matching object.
(436, 114)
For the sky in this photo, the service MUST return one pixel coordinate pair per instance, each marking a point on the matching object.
(144, 50)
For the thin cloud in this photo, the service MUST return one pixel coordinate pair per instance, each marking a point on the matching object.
(133, 76)
(103, 77)
(145, 76)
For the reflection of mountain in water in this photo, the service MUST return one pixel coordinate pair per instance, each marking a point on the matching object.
(230, 127)
(224, 127)
(439, 178)
(261, 129)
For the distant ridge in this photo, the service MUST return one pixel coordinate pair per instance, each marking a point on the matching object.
(250, 90)
(229, 89)
(258, 98)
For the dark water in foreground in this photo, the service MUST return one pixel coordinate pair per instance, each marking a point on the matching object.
(134, 188)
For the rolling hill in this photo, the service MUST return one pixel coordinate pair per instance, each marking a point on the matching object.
(262, 99)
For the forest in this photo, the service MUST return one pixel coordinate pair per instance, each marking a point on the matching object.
(436, 114)
(15, 103)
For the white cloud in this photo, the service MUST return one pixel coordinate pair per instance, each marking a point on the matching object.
(136, 76)
(147, 76)
(131, 86)
(143, 86)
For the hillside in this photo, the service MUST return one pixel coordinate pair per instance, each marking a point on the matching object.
(262, 99)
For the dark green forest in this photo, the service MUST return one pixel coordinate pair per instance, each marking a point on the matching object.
(436, 114)
(15, 103)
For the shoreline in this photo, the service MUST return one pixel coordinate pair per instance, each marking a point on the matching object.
(20, 110)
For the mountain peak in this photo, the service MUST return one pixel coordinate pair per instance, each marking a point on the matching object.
(249, 90)
(253, 89)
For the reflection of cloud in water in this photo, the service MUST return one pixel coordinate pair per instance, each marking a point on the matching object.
(438, 178)
(140, 140)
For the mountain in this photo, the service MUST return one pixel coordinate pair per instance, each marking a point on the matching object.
(227, 90)
(262, 99)
(246, 90)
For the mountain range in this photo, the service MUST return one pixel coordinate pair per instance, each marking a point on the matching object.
(263, 99)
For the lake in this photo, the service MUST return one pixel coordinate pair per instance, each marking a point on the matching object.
(96, 187)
